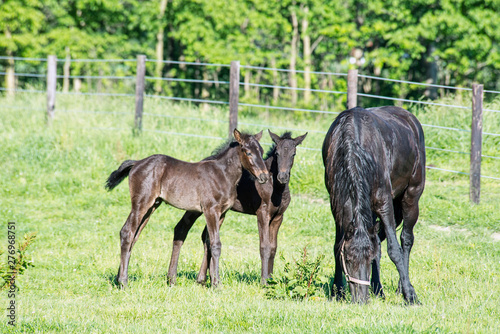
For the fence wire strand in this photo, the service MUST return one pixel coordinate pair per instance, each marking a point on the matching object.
(36, 75)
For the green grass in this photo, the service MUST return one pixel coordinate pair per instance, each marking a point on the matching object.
(51, 181)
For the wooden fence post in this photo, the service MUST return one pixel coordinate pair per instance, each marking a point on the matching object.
(476, 143)
(352, 89)
(51, 87)
(139, 92)
(234, 95)
(66, 71)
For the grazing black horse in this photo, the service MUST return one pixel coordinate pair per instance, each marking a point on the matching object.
(268, 201)
(208, 186)
(374, 168)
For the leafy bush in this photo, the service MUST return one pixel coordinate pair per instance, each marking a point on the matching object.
(8, 273)
(300, 279)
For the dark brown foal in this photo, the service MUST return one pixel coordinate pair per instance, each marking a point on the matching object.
(207, 187)
(267, 201)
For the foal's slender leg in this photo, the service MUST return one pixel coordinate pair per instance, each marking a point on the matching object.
(273, 238)
(202, 274)
(180, 233)
(129, 234)
(386, 213)
(207, 255)
(214, 221)
(265, 245)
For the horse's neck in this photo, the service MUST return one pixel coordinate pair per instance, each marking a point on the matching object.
(230, 162)
(269, 162)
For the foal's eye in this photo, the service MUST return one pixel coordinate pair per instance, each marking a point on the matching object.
(248, 154)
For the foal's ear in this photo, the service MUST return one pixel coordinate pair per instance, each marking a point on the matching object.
(237, 135)
(300, 139)
(258, 136)
(274, 137)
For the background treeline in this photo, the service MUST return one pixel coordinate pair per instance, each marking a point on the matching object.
(448, 42)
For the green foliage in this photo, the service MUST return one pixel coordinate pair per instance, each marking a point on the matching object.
(449, 42)
(299, 280)
(9, 273)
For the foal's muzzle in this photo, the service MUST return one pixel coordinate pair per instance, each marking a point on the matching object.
(263, 177)
(283, 177)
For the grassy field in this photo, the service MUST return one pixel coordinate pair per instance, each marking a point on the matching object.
(51, 182)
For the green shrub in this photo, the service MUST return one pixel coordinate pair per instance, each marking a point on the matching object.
(299, 280)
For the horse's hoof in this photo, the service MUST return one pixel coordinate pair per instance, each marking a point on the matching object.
(123, 285)
(171, 280)
(412, 299)
(201, 281)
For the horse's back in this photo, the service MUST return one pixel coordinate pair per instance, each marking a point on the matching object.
(177, 182)
(391, 136)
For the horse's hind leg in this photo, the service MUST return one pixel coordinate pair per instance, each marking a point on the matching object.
(410, 217)
(129, 234)
(180, 233)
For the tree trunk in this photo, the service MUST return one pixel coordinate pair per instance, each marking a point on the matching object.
(66, 71)
(276, 90)
(247, 79)
(205, 94)
(257, 81)
(159, 46)
(432, 72)
(293, 56)
(10, 79)
(306, 41)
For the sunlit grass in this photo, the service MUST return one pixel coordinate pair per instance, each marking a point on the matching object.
(51, 181)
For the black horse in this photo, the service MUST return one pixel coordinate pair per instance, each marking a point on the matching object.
(374, 168)
(268, 201)
(208, 186)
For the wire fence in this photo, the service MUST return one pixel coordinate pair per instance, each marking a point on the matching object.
(245, 104)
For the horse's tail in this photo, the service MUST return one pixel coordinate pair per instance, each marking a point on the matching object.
(118, 175)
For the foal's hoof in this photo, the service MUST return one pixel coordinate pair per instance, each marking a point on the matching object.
(123, 285)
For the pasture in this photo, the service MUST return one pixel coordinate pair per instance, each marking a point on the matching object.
(52, 183)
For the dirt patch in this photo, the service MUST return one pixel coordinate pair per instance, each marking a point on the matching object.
(440, 228)
(496, 236)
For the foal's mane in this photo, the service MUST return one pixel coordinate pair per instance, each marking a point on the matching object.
(272, 149)
(225, 146)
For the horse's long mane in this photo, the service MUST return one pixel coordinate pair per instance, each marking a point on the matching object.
(354, 174)
(272, 149)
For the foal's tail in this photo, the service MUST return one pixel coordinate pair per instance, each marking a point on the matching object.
(118, 175)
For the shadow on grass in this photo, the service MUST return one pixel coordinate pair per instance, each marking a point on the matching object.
(112, 279)
(250, 278)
